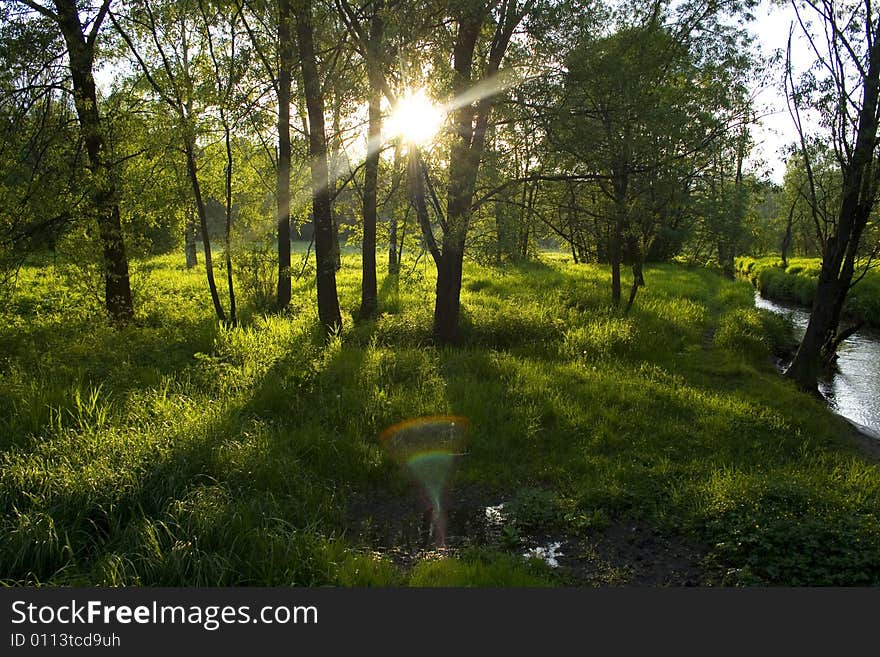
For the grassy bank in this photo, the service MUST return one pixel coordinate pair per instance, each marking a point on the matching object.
(797, 283)
(176, 452)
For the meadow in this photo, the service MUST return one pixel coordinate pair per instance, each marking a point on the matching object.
(659, 447)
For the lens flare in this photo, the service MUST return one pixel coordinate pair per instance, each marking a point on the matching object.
(427, 448)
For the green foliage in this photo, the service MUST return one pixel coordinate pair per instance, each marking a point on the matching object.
(256, 268)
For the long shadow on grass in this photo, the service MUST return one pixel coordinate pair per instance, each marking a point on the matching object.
(248, 492)
(55, 372)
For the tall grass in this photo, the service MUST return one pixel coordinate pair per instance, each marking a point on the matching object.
(177, 452)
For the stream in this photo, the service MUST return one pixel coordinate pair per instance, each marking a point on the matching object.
(854, 390)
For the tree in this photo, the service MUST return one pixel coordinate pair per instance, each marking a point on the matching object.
(165, 57)
(642, 110)
(328, 301)
(41, 174)
(370, 44)
(81, 36)
(844, 93)
(473, 61)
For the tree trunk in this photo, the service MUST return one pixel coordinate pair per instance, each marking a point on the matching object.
(322, 217)
(635, 256)
(464, 161)
(615, 255)
(393, 262)
(786, 238)
(335, 160)
(192, 170)
(447, 307)
(233, 319)
(369, 294)
(282, 181)
(190, 246)
(117, 286)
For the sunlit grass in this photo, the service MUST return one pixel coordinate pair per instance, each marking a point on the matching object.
(178, 452)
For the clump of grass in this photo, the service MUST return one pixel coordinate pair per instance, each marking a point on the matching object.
(480, 569)
(752, 333)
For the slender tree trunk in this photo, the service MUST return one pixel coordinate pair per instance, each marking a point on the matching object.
(233, 320)
(192, 170)
(615, 250)
(282, 181)
(369, 295)
(190, 246)
(334, 167)
(117, 286)
(786, 238)
(635, 256)
(393, 250)
(328, 301)
(393, 262)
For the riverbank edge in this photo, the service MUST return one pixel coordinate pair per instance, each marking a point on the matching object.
(866, 439)
(754, 270)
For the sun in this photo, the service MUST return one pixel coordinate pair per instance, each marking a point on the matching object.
(415, 118)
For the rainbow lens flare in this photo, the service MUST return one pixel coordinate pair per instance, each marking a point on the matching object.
(427, 447)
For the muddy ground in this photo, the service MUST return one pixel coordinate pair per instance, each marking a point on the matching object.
(399, 527)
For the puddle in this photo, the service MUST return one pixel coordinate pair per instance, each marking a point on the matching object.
(548, 553)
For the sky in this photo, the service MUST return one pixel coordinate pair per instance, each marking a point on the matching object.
(775, 129)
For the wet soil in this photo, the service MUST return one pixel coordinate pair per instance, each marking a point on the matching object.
(399, 527)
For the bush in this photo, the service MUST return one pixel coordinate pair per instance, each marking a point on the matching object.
(256, 267)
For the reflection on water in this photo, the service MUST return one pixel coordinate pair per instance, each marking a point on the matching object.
(854, 390)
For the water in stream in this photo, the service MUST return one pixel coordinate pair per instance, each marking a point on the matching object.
(854, 390)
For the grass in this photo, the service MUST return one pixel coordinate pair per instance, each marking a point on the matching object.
(176, 452)
(797, 283)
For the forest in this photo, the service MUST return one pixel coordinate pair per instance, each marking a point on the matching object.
(435, 293)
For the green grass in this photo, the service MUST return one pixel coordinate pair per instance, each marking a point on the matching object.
(175, 452)
(797, 283)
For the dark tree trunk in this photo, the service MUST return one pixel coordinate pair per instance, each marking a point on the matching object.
(328, 301)
(282, 181)
(394, 252)
(463, 165)
(615, 248)
(447, 307)
(369, 294)
(393, 262)
(335, 159)
(117, 287)
(500, 234)
(786, 238)
(635, 257)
